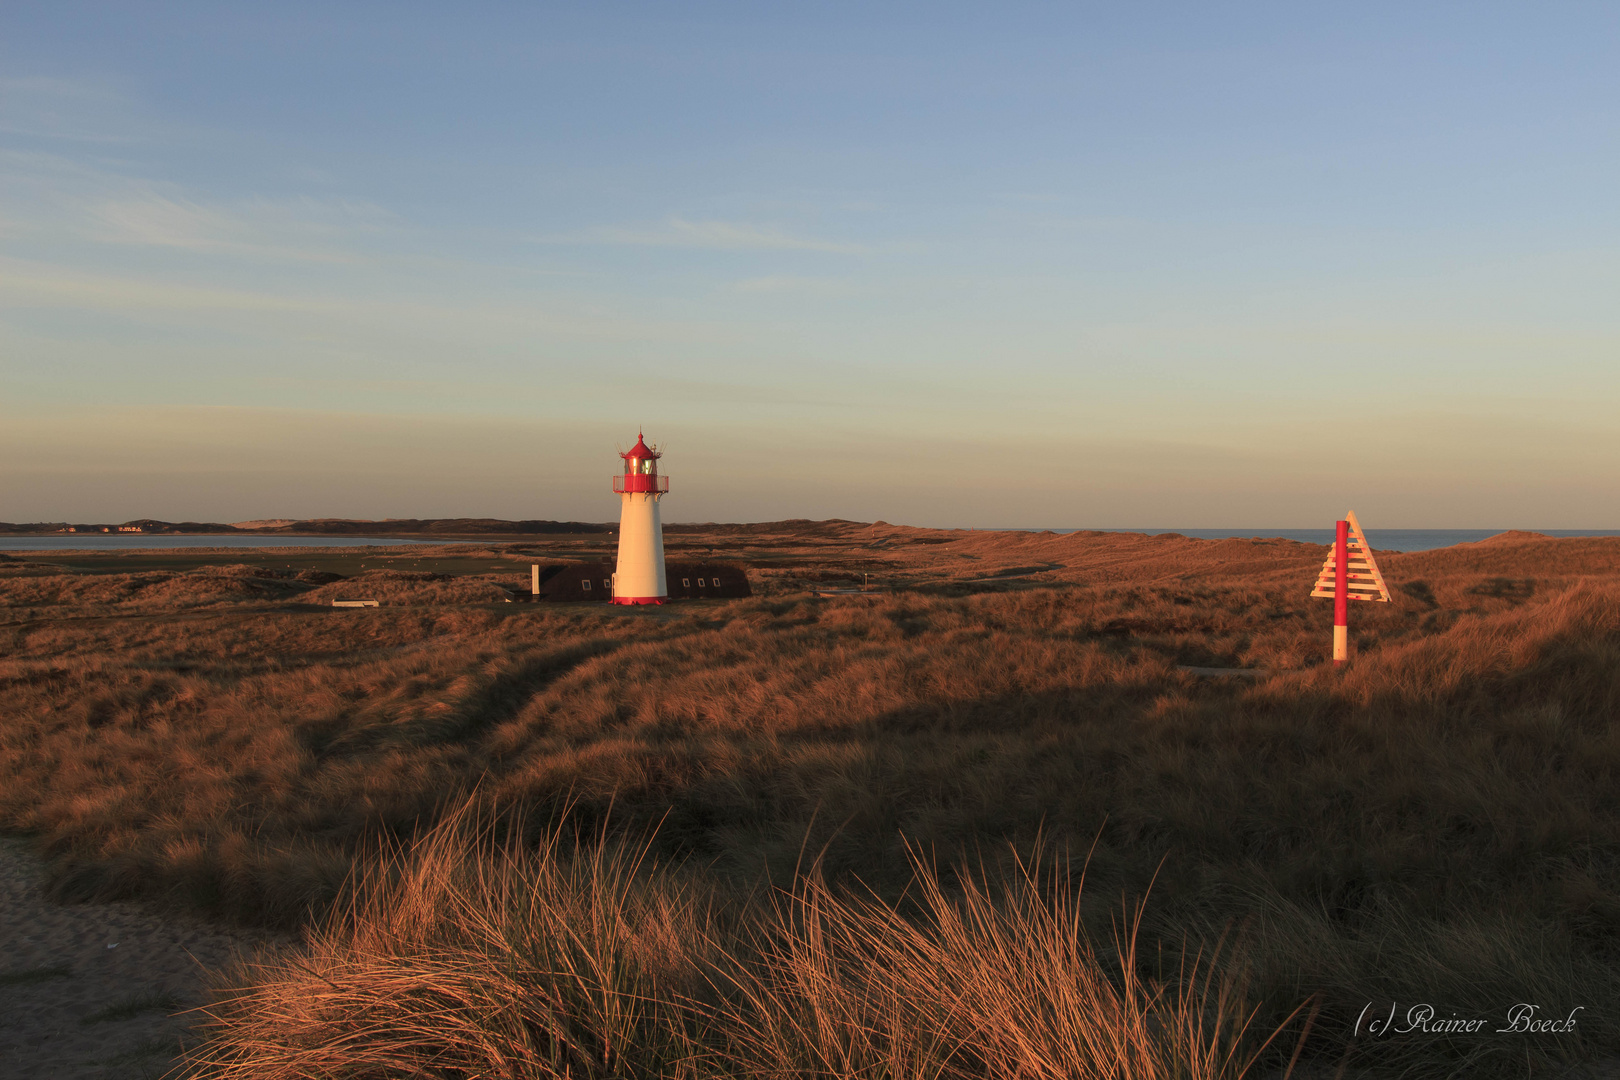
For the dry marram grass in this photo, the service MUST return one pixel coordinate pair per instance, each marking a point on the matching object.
(462, 958)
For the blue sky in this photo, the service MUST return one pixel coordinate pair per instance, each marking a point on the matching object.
(1023, 265)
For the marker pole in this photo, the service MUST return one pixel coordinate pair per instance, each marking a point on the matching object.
(1341, 592)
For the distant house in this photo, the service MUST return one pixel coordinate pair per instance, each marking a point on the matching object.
(566, 582)
(706, 580)
(575, 582)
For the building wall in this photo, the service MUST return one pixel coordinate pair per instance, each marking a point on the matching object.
(719, 580)
(564, 582)
(567, 582)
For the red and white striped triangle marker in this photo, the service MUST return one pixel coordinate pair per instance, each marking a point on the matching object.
(1350, 573)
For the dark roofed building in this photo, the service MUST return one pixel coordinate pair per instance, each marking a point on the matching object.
(576, 581)
(696, 580)
(564, 582)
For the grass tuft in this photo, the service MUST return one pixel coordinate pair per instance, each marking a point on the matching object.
(464, 957)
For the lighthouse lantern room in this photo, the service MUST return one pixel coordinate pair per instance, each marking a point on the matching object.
(639, 577)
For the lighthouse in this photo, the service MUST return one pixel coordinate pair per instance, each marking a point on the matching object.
(639, 577)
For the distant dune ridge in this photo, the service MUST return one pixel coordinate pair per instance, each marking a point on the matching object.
(799, 528)
(1514, 536)
(326, 526)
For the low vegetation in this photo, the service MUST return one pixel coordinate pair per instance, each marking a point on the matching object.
(464, 958)
(1437, 823)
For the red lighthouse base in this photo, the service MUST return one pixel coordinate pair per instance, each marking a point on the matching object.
(639, 599)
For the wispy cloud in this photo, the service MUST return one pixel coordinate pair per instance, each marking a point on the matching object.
(790, 284)
(58, 199)
(67, 109)
(714, 235)
(40, 285)
(451, 320)
(300, 229)
(165, 223)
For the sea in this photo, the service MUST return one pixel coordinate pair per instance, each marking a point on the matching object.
(138, 541)
(1380, 539)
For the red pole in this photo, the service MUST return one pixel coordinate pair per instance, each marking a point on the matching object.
(1341, 592)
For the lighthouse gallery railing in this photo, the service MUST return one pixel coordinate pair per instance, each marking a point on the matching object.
(636, 482)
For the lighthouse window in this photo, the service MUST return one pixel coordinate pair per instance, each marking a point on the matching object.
(586, 585)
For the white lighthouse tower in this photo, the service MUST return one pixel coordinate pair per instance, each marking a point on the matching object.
(639, 578)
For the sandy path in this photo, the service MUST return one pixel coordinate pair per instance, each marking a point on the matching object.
(88, 990)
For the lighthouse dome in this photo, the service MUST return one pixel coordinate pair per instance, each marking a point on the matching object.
(641, 451)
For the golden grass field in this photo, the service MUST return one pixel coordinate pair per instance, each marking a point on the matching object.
(845, 836)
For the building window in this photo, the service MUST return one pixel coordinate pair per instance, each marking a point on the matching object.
(607, 584)
(586, 585)
(686, 583)
(700, 583)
